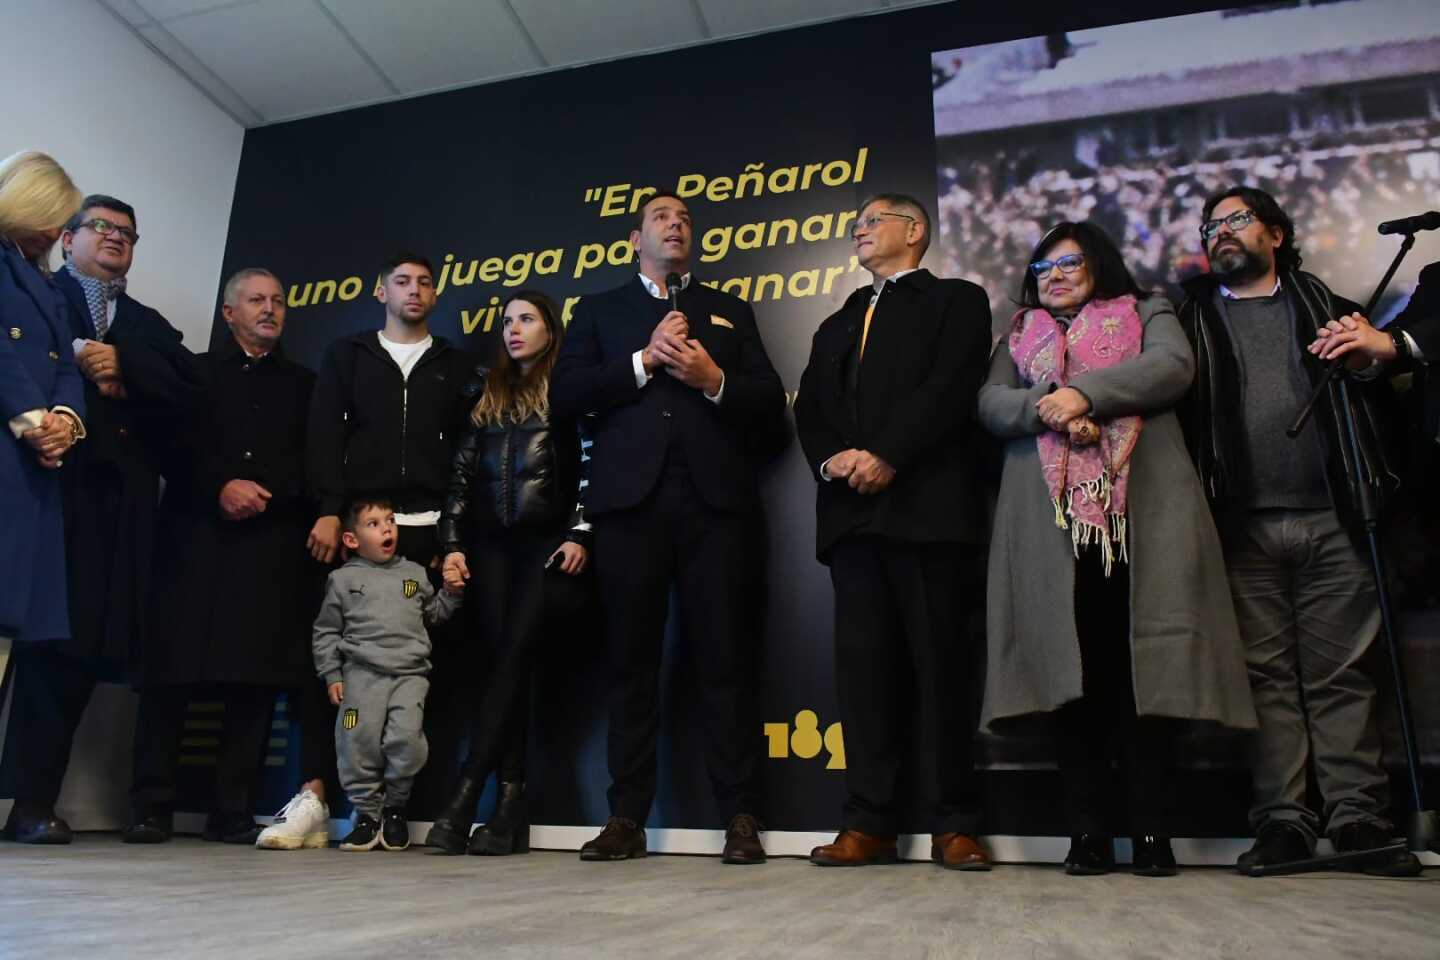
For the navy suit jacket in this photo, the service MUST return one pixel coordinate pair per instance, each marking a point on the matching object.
(634, 426)
(37, 372)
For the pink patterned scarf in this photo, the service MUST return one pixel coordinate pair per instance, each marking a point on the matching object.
(1087, 483)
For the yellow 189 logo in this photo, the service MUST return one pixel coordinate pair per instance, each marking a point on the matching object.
(806, 742)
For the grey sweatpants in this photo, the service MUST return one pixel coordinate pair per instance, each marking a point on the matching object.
(379, 740)
(1305, 600)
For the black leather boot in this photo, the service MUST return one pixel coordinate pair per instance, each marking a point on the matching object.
(1152, 857)
(1091, 854)
(508, 829)
(451, 830)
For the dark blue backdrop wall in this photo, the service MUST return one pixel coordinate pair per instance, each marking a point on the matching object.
(477, 178)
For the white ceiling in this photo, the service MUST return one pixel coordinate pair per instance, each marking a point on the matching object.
(264, 61)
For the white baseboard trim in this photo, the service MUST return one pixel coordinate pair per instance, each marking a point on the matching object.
(1004, 848)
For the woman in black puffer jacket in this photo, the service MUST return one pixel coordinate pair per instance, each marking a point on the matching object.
(512, 518)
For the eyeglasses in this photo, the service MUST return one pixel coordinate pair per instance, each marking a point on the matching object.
(872, 221)
(105, 228)
(1068, 264)
(1237, 221)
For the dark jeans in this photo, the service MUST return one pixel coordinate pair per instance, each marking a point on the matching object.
(1102, 727)
(447, 709)
(1305, 600)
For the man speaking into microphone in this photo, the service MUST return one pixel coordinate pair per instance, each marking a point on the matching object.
(676, 375)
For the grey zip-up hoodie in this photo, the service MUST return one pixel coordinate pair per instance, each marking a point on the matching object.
(375, 614)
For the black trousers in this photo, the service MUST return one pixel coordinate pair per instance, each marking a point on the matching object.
(313, 716)
(903, 666)
(447, 708)
(52, 690)
(160, 732)
(507, 605)
(673, 537)
(1101, 728)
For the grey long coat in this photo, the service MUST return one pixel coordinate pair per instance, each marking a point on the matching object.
(1185, 647)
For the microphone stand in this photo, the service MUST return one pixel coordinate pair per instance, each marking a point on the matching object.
(1424, 825)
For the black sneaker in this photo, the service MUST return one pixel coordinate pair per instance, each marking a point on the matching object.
(1369, 835)
(395, 834)
(1278, 842)
(364, 835)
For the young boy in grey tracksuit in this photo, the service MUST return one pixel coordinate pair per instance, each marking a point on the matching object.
(373, 652)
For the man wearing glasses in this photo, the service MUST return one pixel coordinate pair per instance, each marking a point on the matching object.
(1304, 594)
(885, 418)
(110, 488)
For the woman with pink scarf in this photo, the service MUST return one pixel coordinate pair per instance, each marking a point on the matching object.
(1108, 613)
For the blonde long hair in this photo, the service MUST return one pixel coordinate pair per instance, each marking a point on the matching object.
(511, 396)
(36, 194)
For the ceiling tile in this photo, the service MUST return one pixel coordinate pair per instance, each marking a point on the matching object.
(165, 9)
(437, 43)
(284, 58)
(729, 17)
(133, 13)
(176, 52)
(584, 30)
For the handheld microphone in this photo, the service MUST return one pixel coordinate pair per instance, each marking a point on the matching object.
(1423, 221)
(672, 283)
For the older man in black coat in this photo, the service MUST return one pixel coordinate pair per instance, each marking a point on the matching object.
(235, 588)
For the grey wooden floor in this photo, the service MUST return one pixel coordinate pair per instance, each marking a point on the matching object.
(189, 899)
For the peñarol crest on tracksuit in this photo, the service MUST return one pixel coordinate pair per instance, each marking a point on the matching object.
(412, 587)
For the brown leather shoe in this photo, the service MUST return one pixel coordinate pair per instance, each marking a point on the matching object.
(622, 839)
(854, 849)
(742, 840)
(956, 851)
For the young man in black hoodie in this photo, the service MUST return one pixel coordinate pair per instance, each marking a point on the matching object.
(386, 412)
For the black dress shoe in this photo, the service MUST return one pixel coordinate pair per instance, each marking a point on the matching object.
(1278, 842)
(238, 828)
(1152, 856)
(451, 830)
(40, 827)
(1369, 835)
(152, 829)
(622, 839)
(742, 840)
(1091, 854)
(508, 829)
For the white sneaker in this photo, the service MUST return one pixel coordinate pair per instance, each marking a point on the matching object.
(302, 824)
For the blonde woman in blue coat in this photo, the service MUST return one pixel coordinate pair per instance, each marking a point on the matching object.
(41, 409)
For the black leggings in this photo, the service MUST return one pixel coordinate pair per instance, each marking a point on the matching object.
(1103, 721)
(506, 600)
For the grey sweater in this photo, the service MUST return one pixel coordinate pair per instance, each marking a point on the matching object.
(375, 614)
(1278, 472)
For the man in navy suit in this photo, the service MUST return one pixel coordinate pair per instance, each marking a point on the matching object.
(675, 388)
(110, 488)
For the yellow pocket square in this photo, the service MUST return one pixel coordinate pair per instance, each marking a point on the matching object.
(721, 322)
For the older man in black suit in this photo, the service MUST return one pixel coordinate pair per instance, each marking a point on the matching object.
(885, 415)
(675, 380)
